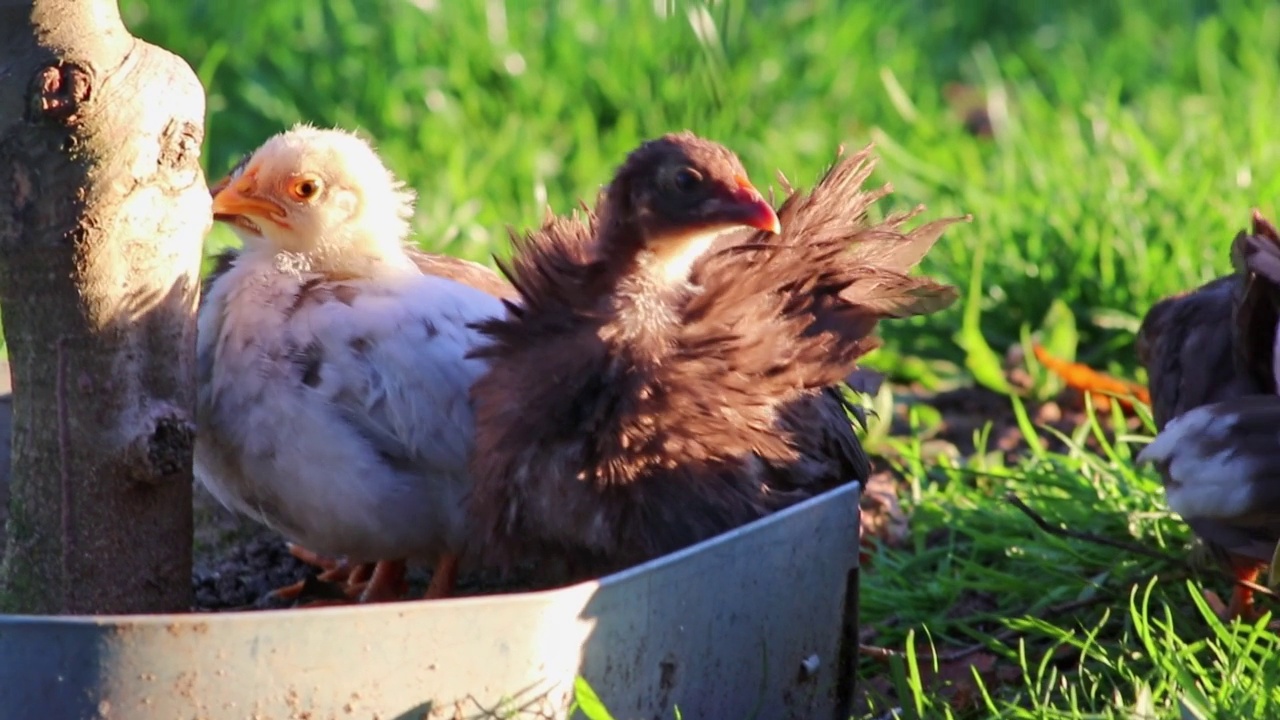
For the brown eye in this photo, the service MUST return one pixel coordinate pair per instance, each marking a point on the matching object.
(305, 188)
(687, 179)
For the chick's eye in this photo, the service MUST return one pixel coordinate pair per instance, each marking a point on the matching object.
(687, 179)
(306, 188)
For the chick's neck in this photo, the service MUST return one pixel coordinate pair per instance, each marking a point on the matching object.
(649, 285)
(346, 256)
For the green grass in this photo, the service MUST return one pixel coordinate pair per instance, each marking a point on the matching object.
(1067, 627)
(1133, 142)
(1136, 142)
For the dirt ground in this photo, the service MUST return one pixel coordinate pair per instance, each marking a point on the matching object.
(237, 562)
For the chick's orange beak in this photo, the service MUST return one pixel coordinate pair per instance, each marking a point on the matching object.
(752, 210)
(240, 198)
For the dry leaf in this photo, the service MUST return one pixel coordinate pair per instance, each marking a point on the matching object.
(883, 520)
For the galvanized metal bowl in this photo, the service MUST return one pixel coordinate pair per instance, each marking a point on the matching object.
(759, 622)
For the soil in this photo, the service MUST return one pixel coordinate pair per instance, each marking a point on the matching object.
(237, 562)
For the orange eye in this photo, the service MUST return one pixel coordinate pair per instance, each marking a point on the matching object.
(305, 188)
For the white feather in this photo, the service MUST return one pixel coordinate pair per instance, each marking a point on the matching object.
(1207, 476)
(673, 267)
(393, 381)
(1275, 351)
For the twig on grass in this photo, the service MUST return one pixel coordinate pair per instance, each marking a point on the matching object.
(1044, 524)
(1008, 633)
(1005, 635)
(1089, 537)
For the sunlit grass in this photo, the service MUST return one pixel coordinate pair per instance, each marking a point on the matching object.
(1081, 629)
(1134, 140)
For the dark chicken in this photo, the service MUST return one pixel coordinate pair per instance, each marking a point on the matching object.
(1210, 359)
(647, 394)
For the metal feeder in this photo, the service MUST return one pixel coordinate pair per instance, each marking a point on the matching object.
(758, 622)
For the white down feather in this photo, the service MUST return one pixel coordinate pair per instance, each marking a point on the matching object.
(370, 462)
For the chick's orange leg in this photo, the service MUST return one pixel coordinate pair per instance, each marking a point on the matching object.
(360, 575)
(387, 583)
(444, 578)
(332, 571)
(349, 592)
(1241, 604)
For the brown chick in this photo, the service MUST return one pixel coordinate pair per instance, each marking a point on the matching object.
(646, 395)
(1210, 361)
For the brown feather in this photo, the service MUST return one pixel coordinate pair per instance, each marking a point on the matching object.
(1214, 347)
(221, 264)
(1256, 257)
(609, 449)
(1187, 343)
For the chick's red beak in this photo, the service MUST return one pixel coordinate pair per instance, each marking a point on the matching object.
(239, 198)
(749, 207)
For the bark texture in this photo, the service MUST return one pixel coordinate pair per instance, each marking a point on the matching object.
(103, 210)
